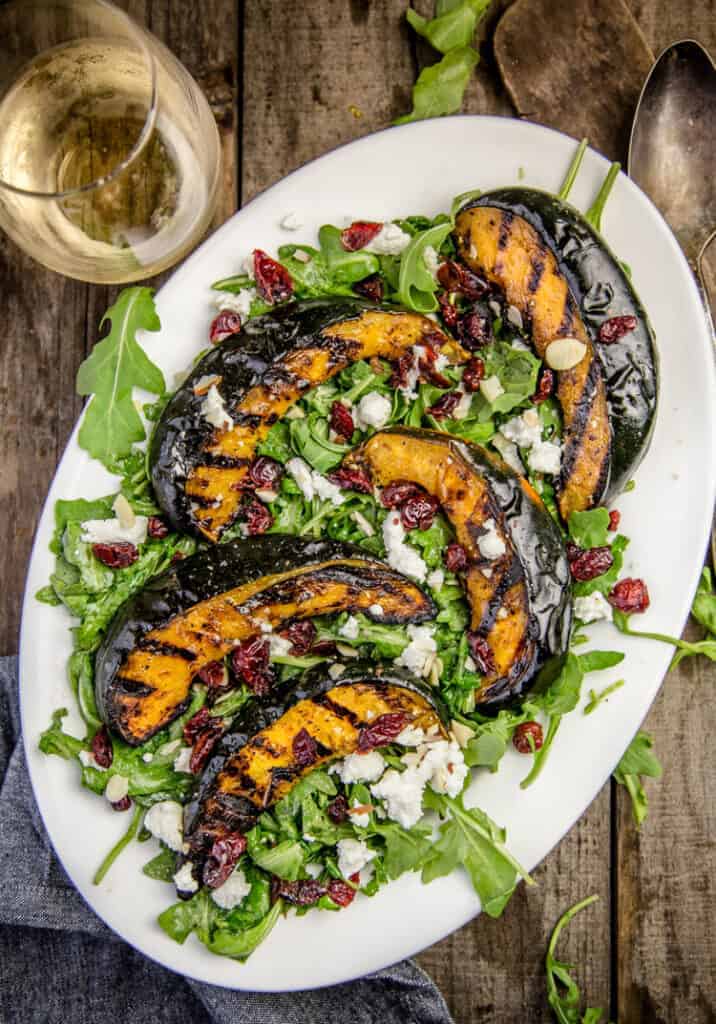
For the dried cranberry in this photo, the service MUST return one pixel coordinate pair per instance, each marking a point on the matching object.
(454, 277)
(383, 730)
(222, 859)
(359, 234)
(342, 421)
(177, 557)
(428, 370)
(116, 556)
(337, 810)
(481, 653)
(545, 386)
(629, 596)
(302, 893)
(587, 565)
(305, 749)
(370, 287)
(419, 512)
(204, 744)
(257, 517)
(265, 473)
(351, 480)
(301, 635)
(341, 892)
(474, 328)
(525, 732)
(122, 805)
(448, 310)
(250, 662)
(473, 374)
(398, 492)
(614, 519)
(215, 677)
(274, 283)
(614, 329)
(223, 326)
(445, 405)
(157, 528)
(401, 371)
(102, 749)
(324, 649)
(455, 557)
(196, 723)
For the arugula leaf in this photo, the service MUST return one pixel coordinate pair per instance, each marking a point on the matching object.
(637, 762)
(606, 581)
(469, 837)
(117, 365)
(589, 529)
(597, 661)
(563, 991)
(121, 844)
(285, 859)
(517, 371)
(240, 945)
(455, 28)
(405, 849)
(704, 606)
(161, 867)
(77, 511)
(416, 284)
(595, 699)
(440, 88)
(594, 214)
(487, 747)
(54, 740)
(684, 648)
(556, 693)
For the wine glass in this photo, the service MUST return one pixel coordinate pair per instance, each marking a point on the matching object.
(109, 153)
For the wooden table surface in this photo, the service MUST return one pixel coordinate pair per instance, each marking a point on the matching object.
(289, 80)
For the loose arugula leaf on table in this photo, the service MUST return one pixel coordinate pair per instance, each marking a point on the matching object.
(117, 365)
(704, 606)
(455, 27)
(563, 991)
(638, 762)
(440, 88)
(470, 838)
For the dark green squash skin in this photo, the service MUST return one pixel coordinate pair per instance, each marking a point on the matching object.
(602, 289)
(242, 361)
(202, 576)
(240, 813)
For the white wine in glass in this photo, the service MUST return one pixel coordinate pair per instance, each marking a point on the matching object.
(109, 153)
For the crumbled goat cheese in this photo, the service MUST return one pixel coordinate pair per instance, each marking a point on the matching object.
(490, 543)
(336, 671)
(312, 484)
(326, 490)
(495, 307)
(353, 854)
(147, 757)
(165, 821)
(508, 451)
(279, 646)
(411, 736)
(403, 795)
(419, 654)
(409, 389)
(111, 531)
(359, 818)
(435, 579)
(390, 241)
(184, 879)
(401, 556)
(491, 388)
(431, 260)
(214, 411)
(88, 759)
(169, 747)
(362, 523)
(314, 870)
(524, 430)
(232, 892)
(117, 788)
(502, 613)
(377, 611)
(462, 409)
(545, 457)
(350, 628)
(462, 733)
(124, 512)
(291, 221)
(592, 608)
(470, 665)
(239, 303)
(181, 761)
(519, 346)
(360, 767)
(443, 766)
(373, 410)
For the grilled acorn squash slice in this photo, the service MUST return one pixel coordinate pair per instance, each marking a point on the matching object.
(497, 239)
(197, 469)
(520, 602)
(197, 611)
(255, 763)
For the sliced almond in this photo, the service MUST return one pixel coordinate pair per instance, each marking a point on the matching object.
(564, 353)
(435, 671)
(462, 733)
(301, 256)
(203, 385)
(124, 512)
(117, 788)
(362, 523)
(346, 651)
(295, 413)
(265, 494)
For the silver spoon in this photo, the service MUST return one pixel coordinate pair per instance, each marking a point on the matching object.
(672, 153)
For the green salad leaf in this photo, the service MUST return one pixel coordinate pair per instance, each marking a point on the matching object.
(639, 762)
(416, 284)
(440, 87)
(563, 991)
(453, 29)
(115, 367)
(704, 606)
(684, 648)
(589, 529)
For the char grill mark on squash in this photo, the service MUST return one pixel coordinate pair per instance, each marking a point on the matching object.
(246, 780)
(213, 482)
(152, 684)
(507, 250)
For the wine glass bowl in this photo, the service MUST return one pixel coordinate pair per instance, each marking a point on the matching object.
(109, 153)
